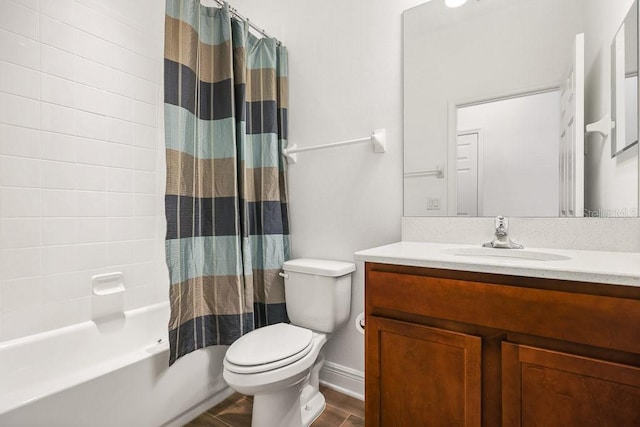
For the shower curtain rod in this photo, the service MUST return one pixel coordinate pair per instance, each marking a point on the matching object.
(235, 13)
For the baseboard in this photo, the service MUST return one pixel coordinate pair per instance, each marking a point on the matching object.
(194, 411)
(343, 379)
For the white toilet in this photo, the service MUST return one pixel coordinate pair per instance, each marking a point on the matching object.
(279, 364)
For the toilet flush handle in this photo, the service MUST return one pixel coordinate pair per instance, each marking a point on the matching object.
(283, 274)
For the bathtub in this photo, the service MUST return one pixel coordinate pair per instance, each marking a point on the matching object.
(111, 373)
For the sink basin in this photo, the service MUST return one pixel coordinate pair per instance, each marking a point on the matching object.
(515, 254)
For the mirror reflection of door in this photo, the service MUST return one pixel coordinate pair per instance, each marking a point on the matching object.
(518, 153)
(469, 174)
(624, 84)
(572, 135)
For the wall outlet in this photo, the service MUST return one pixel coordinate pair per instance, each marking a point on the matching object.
(433, 204)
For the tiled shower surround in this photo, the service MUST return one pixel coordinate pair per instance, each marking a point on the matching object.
(81, 158)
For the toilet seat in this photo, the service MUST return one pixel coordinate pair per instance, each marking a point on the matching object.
(268, 348)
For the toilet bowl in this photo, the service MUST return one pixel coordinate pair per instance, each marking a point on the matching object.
(280, 364)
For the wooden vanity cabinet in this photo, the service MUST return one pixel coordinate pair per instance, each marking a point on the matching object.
(451, 348)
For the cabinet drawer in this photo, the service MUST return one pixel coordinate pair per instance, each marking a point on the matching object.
(600, 321)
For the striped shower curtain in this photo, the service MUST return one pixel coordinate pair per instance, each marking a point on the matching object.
(226, 201)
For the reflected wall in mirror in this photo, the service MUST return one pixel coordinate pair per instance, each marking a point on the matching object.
(494, 93)
(497, 139)
(624, 84)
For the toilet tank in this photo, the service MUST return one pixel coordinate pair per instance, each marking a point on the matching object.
(318, 293)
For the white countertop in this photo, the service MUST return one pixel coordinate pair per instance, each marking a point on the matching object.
(616, 268)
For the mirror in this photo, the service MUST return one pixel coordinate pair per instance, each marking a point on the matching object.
(494, 117)
(624, 84)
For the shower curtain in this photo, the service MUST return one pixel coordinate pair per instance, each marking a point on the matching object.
(226, 201)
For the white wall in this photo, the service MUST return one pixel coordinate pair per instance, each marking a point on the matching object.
(612, 184)
(458, 56)
(520, 148)
(81, 158)
(345, 62)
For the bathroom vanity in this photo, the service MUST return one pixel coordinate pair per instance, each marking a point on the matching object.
(460, 336)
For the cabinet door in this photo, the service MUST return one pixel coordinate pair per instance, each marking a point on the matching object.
(548, 389)
(421, 376)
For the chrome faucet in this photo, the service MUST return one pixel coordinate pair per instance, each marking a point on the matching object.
(502, 240)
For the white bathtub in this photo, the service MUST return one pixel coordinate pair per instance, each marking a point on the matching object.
(111, 373)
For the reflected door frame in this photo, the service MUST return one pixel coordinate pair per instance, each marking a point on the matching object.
(479, 168)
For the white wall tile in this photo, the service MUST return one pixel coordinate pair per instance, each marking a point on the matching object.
(64, 313)
(90, 99)
(144, 159)
(91, 256)
(19, 263)
(145, 136)
(118, 57)
(145, 45)
(19, 172)
(60, 10)
(119, 229)
(20, 202)
(91, 151)
(32, 4)
(21, 323)
(145, 250)
(59, 146)
(21, 294)
(66, 286)
(59, 231)
(56, 90)
(59, 259)
(145, 68)
(91, 177)
(120, 131)
(92, 47)
(58, 175)
(91, 203)
(57, 62)
(145, 228)
(76, 141)
(138, 297)
(19, 80)
(92, 230)
(140, 274)
(120, 204)
(119, 106)
(57, 118)
(91, 125)
(19, 111)
(20, 233)
(146, 114)
(19, 19)
(89, 72)
(93, 22)
(120, 180)
(58, 203)
(19, 50)
(19, 141)
(57, 34)
(132, 86)
(145, 205)
(120, 253)
(144, 182)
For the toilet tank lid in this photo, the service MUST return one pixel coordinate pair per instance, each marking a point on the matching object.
(320, 267)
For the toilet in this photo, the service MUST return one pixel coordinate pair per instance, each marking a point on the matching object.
(280, 364)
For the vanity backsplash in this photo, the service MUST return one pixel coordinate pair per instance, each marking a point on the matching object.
(601, 234)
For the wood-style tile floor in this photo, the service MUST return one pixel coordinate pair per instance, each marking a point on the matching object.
(235, 411)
